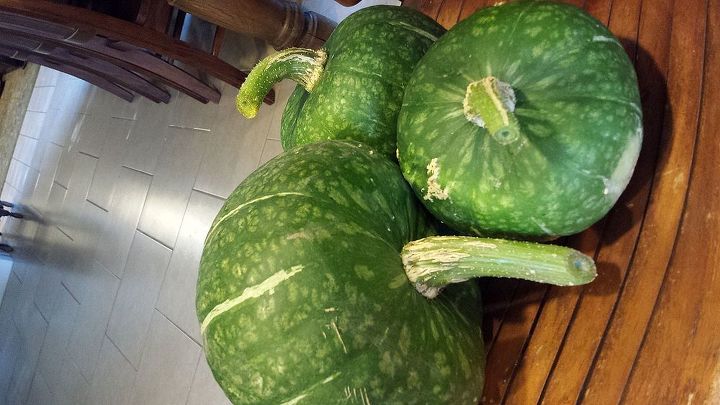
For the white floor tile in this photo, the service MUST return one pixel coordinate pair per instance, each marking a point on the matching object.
(25, 304)
(31, 340)
(133, 309)
(113, 379)
(73, 388)
(8, 357)
(7, 309)
(123, 216)
(188, 113)
(177, 296)
(109, 163)
(78, 186)
(51, 362)
(51, 157)
(40, 99)
(147, 136)
(272, 148)
(204, 389)
(234, 147)
(33, 124)
(25, 149)
(168, 364)
(96, 301)
(172, 183)
(106, 104)
(46, 77)
(92, 132)
(39, 391)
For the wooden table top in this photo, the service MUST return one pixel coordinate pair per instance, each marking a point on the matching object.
(647, 330)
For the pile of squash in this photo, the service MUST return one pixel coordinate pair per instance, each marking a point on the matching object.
(330, 274)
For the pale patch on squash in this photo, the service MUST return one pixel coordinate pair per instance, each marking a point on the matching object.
(602, 38)
(268, 285)
(434, 190)
(295, 400)
(414, 29)
(620, 177)
(339, 336)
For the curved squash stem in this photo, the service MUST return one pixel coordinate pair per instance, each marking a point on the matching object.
(434, 262)
(489, 103)
(304, 66)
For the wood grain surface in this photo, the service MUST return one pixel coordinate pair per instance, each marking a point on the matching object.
(647, 331)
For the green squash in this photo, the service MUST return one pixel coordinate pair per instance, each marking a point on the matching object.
(303, 299)
(524, 120)
(353, 87)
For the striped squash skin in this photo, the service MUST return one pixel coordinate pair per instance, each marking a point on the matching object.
(315, 308)
(578, 108)
(371, 55)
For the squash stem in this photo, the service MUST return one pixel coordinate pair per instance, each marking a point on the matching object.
(434, 262)
(489, 103)
(304, 66)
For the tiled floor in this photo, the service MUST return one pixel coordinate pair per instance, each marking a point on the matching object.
(99, 306)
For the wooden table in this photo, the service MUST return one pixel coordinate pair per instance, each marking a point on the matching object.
(647, 331)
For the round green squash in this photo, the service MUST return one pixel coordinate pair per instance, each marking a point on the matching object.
(353, 87)
(309, 280)
(524, 120)
(302, 295)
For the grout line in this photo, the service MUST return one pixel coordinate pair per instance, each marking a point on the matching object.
(87, 154)
(64, 233)
(21, 162)
(122, 118)
(97, 206)
(189, 128)
(178, 327)
(55, 182)
(207, 193)
(138, 230)
(56, 144)
(62, 283)
(195, 372)
(137, 170)
(120, 351)
(38, 308)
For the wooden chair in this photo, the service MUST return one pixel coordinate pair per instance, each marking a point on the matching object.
(66, 34)
(281, 23)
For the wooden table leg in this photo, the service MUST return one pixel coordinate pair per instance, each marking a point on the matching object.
(281, 23)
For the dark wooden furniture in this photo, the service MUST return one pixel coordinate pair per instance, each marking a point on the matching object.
(348, 3)
(646, 331)
(124, 53)
(281, 23)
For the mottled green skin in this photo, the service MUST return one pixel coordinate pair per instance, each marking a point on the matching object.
(346, 229)
(579, 112)
(371, 55)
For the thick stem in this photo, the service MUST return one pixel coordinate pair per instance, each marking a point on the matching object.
(489, 103)
(434, 262)
(304, 66)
